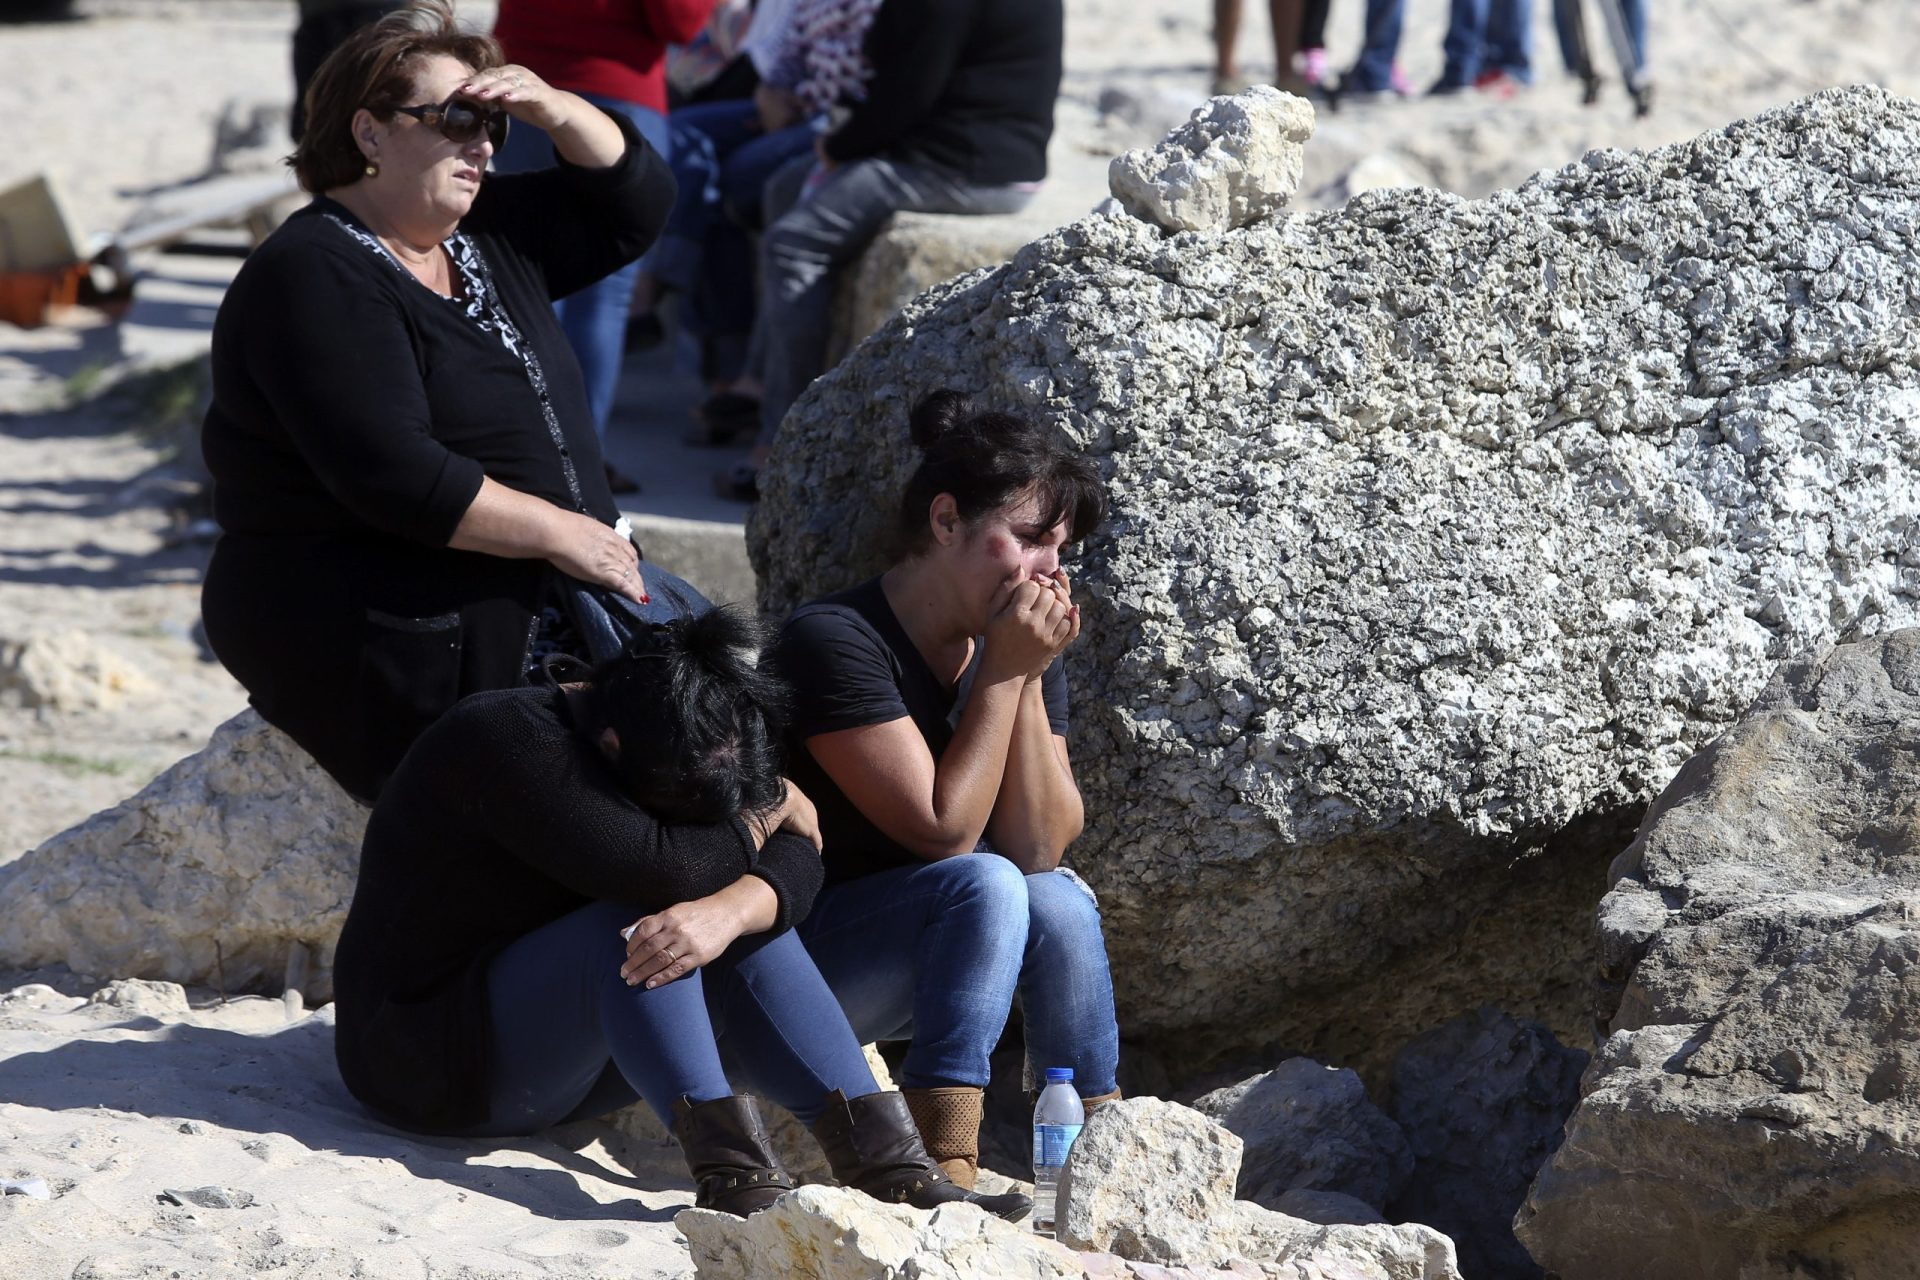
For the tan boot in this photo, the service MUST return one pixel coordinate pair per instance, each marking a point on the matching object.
(949, 1123)
(1101, 1100)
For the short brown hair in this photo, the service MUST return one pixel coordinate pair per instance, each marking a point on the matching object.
(374, 68)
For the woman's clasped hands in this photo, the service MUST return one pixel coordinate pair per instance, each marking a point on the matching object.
(1034, 619)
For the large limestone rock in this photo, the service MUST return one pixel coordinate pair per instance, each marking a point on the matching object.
(831, 1233)
(1482, 1101)
(1152, 1182)
(210, 875)
(1442, 533)
(1755, 1111)
(1309, 1127)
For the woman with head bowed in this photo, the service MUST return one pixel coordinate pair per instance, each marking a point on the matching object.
(578, 895)
(404, 463)
(930, 729)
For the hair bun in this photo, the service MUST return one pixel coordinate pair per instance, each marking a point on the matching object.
(937, 415)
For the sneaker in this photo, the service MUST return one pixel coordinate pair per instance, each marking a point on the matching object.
(1445, 89)
(1314, 66)
(1498, 84)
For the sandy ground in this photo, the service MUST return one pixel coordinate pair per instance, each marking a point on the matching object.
(115, 1104)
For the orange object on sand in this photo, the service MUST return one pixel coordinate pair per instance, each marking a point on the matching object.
(27, 296)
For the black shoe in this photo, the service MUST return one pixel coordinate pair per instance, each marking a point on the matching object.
(729, 1153)
(873, 1147)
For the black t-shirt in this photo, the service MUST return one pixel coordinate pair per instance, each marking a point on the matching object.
(852, 664)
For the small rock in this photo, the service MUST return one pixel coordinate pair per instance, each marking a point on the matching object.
(164, 1000)
(67, 671)
(831, 1233)
(1144, 1179)
(209, 1198)
(1236, 161)
(32, 1188)
(1310, 1127)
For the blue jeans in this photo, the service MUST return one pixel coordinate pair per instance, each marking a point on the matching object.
(1373, 72)
(569, 1039)
(937, 951)
(595, 318)
(1488, 35)
(805, 247)
(721, 161)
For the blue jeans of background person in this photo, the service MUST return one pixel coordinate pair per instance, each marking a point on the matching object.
(721, 161)
(936, 952)
(569, 1039)
(806, 245)
(1488, 35)
(595, 318)
(1373, 72)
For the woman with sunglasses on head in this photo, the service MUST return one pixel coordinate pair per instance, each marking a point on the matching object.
(403, 456)
(930, 721)
(575, 896)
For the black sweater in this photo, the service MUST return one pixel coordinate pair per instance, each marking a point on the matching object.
(355, 413)
(502, 819)
(964, 85)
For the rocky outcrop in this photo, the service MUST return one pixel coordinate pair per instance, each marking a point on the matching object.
(1482, 1101)
(1442, 533)
(211, 874)
(1309, 1127)
(1152, 1181)
(1755, 1110)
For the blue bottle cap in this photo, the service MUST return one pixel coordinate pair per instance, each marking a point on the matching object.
(1058, 1075)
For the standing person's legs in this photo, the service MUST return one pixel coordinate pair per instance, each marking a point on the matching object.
(1066, 989)
(1285, 17)
(318, 35)
(1313, 24)
(1465, 43)
(1226, 33)
(1373, 72)
(804, 248)
(1509, 43)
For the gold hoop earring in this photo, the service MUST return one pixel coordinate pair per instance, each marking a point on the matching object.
(372, 170)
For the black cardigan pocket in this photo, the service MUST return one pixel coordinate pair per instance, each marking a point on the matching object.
(409, 676)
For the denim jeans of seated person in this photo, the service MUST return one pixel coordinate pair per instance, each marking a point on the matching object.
(571, 1040)
(936, 953)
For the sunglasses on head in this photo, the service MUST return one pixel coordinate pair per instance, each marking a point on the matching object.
(462, 122)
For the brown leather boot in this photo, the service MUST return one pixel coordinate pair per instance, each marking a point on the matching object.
(872, 1146)
(730, 1155)
(948, 1118)
(1099, 1100)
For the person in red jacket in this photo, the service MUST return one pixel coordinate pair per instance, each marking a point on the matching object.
(613, 53)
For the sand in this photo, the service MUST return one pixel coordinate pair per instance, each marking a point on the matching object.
(116, 1104)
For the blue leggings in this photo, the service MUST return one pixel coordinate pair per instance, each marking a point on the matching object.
(569, 1039)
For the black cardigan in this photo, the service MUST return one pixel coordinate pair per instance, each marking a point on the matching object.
(964, 85)
(354, 414)
(502, 819)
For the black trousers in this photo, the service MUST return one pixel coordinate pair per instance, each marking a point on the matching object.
(318, 35)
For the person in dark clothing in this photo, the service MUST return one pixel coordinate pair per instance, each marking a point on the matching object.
(956, 119)
(324, 24)
(402, 453)
(573, 897)
(930, 723)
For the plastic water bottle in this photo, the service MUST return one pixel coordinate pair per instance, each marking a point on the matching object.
(1057, 1118)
